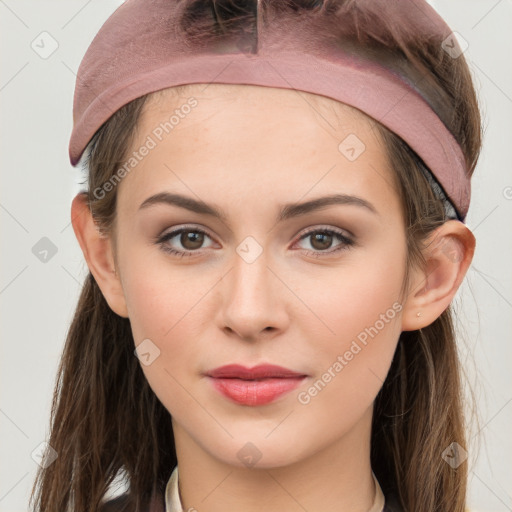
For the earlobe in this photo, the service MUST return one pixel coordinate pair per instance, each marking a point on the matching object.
(97, 250)
(448, 254)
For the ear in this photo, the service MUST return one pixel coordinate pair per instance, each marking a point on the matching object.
(448, 253)
(98, 253)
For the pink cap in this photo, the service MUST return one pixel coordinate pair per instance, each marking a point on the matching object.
(142, 48)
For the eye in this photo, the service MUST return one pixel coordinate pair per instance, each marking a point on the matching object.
(191, 238)
(322, 239)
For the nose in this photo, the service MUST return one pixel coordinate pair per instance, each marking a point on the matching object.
(253, 299)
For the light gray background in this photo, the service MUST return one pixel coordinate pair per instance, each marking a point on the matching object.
(37, 299)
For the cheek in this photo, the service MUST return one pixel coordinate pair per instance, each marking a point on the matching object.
(354, 295)
(160, 297)
(166, 304)
(163, 306)
(358, 313)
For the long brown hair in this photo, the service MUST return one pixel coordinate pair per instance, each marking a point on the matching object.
(107, 422)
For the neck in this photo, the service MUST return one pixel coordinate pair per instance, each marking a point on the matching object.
(336, 479)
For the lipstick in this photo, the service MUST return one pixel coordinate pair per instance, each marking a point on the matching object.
(259, 385)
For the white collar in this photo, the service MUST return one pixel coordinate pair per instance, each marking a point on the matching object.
(173, 501)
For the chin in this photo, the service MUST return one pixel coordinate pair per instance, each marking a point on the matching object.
(253, 449)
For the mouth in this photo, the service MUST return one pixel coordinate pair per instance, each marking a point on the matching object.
(256, 386)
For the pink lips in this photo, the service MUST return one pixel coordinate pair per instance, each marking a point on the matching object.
(254, 386)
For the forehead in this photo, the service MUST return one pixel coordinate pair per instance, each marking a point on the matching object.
(253, 140)
(216, 95)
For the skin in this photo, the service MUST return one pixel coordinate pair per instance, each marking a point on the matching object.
(239, 145)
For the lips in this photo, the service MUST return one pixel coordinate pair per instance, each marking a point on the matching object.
(262, 371)
(259, 385)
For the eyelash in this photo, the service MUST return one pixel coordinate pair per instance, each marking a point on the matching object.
(161, 240)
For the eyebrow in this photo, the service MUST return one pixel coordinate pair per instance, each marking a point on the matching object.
(288, 211)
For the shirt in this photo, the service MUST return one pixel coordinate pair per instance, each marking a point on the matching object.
(173, 500)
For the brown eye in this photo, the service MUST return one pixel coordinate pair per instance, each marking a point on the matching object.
(190, 240)
(322, 240)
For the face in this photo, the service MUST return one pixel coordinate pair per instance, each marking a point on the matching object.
(316, 291)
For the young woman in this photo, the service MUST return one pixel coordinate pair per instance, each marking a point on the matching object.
(274, 228)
